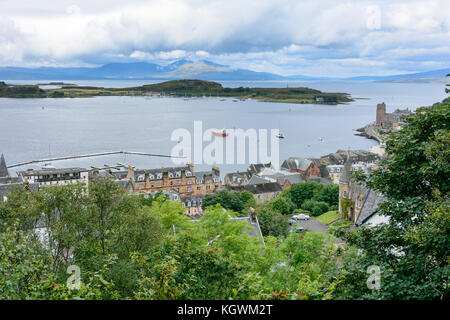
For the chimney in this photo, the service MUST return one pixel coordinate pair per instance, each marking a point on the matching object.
(216, 171)
(190, 167)
(130, 172)
(147, 176)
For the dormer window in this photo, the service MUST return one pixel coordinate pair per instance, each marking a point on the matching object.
(152, 176)
(178, 174)
(170, 175)
(159, 176)
(141, 177)
(188, 173)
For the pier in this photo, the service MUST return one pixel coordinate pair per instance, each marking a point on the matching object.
(94, 155)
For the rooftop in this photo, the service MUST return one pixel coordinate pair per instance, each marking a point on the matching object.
(32, 172)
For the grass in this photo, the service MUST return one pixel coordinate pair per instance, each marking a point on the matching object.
(328, 217)
(186, 87)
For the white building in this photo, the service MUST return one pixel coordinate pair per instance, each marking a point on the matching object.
(64, 176)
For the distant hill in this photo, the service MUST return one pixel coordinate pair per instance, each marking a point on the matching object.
(182, 69)
(411, 77)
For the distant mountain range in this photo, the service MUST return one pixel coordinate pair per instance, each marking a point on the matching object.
(182, 69)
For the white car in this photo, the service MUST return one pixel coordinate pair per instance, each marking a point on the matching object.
(300, 216)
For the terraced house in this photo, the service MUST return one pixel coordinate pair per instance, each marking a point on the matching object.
(181, 179)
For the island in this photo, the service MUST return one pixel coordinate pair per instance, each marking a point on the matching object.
(181, 88)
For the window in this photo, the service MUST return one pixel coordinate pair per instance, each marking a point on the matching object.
(198, 188)
(189, 189)
(189, 182)
(208, 187)
(171, 183)
(344, 194)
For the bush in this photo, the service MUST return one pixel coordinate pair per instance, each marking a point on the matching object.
(280, 205)
(323, 206)
(316, 211)
(300, 211)
(308, 205)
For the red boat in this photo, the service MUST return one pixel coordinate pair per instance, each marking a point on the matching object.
(218, 133)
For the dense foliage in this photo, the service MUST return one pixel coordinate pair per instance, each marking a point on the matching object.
(412, 249)
(142, 247)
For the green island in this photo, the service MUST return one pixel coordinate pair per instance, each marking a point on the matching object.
(180, 88)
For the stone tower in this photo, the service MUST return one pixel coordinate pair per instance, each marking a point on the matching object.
(381, 113)
(344, 181)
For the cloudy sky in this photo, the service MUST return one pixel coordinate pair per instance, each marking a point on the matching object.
(318, 38)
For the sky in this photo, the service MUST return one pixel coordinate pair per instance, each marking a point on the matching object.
(287, 37)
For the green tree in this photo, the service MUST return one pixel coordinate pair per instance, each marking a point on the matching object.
(280, 205)
(300, 192)
(412, 248)
(272, 223)
(227, 199)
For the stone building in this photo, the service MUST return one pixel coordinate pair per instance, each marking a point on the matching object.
(193, 205)
(357, 203)
(303, 166)
(391, 121)
(242, 178)
(181, 179)
(239, 178)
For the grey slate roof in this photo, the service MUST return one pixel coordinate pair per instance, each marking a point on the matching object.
(369, 207)
(192, 201)
(258, 188)
(3, 168)
(319, 179)
(237, 177)
(257, 180)
(256, 168)
(253, 229)
(292, 178)
(296, 163)
(154, 172)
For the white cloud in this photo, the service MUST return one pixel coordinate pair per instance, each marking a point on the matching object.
(286, 36)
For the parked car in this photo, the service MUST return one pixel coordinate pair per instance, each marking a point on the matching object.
(301, 216)
(299, 229)
(291, 221)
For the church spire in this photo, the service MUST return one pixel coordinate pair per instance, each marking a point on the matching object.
(3, 168)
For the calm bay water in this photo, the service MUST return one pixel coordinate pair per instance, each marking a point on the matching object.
(87, 125)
